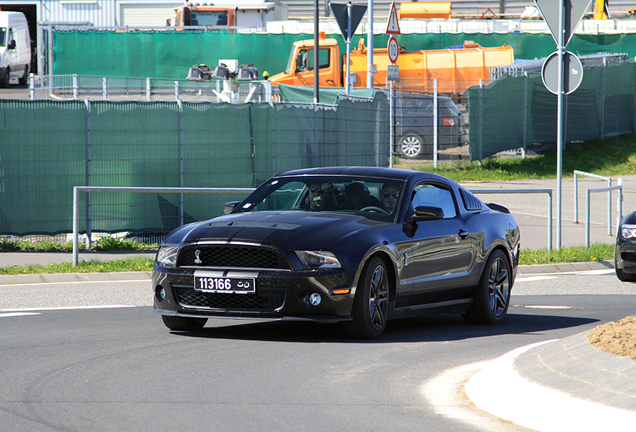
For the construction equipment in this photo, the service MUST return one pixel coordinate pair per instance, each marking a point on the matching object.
(601, 10)
(455, 68)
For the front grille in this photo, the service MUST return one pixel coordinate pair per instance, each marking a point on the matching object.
(232, 256)
(264, 300)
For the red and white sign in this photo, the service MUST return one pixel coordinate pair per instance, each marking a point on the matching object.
(393, 49)
(393, 25)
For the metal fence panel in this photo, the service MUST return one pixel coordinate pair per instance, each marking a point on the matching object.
(513, 113)
(49, 147)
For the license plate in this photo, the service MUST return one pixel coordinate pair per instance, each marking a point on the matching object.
(224, 285)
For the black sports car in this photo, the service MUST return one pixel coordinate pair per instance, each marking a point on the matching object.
(625, 249)
(357, 246)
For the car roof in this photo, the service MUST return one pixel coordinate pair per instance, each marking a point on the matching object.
(378, 172)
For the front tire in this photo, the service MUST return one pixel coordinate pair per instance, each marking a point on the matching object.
(371, 303)
(622, 276)
(24, 78)
(492, 297)
(183, 324)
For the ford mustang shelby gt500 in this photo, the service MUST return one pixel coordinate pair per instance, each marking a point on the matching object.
(353, 245)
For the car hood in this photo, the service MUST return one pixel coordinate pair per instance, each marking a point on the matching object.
(293, 230)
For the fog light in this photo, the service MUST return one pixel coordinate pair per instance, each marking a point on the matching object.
(161, 293)
(310, 299)
(315, 299)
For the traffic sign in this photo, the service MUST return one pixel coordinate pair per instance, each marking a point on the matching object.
(393, 73)
(572, 14)
(572, 72)
(342, 17)
(393, 25)
(393, 49)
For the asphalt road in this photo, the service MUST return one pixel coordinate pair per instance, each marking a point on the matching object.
(92, 356)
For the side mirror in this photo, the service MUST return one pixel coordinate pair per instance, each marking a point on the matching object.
(424, 213)
(230, 206)
(299, 62)
(11, 45)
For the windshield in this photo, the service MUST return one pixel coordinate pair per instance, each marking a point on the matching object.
(209, 18)
(3, 36)
(373, 198)
(290, 61)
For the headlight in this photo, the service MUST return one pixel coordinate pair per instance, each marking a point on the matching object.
(628, 231)
(167, 256)
(313, 259)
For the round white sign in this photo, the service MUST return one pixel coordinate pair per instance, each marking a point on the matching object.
(393, 49)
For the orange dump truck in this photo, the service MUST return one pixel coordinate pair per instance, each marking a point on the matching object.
(455, 68)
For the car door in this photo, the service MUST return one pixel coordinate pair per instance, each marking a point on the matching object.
(441, 252)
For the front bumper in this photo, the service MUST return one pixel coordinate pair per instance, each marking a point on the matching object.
(279, 295)
(625, 255)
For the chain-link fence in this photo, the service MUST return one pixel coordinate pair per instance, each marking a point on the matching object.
(48, 147)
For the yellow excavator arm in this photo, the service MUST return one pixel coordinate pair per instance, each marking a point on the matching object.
(601, 10)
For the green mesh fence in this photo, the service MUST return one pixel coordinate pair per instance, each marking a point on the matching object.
(48, 147)
(514, 113)
(171, 54)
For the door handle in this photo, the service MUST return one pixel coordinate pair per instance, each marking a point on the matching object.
(463, 234)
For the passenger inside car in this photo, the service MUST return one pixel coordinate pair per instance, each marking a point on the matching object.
(358, 197)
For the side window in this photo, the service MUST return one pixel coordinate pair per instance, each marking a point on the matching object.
(323, 58)
(434, 196)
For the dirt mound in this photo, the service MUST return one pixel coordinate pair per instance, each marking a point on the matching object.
(618, 338)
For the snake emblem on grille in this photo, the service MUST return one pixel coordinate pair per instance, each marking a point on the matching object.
(197, 259)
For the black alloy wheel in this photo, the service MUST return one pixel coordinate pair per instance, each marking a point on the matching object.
(492, 298)
(371, 303)
(183, 324)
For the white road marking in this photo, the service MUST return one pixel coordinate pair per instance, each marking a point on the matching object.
(444, 394)
(15, 314)
(501, 391)
(43, 283)
(595, 272)
(19, 310)
(533, 278)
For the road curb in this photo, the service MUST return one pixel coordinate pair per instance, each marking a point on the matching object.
(35, 279)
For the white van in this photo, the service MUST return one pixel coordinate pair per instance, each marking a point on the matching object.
(15, 48)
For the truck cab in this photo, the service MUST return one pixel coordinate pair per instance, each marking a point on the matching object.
(300, 66)
(204, 16)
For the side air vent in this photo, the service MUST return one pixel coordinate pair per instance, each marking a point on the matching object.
(471, 202)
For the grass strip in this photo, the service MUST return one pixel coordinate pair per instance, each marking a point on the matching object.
(123, 265)
(596, 252)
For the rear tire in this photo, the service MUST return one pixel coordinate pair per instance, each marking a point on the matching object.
(492, 297)
(412, 146)
(4, 82)
(23, 80)
(371, 304)
(183, 324)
